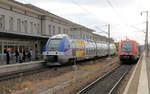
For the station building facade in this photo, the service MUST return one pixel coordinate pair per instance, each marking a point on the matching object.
(24, 26)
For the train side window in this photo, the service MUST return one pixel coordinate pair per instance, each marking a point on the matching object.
(76, 47)
(87, 51)
(73, 49)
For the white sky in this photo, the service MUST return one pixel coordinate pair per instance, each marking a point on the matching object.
(123, 15)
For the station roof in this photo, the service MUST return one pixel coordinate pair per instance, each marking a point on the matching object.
(19, 5)
(26, 36)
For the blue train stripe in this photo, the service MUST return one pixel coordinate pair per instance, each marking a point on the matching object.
(62, 45)
(45, 48)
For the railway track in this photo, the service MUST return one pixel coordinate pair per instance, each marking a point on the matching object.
(108, 83)
(7, 81)
(13, 75)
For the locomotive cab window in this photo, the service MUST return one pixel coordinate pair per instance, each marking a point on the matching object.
(127, 46)
(54, 44)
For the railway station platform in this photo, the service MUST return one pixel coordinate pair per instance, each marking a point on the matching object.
(139, 82)
(12, 68)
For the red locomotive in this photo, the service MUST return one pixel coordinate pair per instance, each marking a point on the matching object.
(128, 50)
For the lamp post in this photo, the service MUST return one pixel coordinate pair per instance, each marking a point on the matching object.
(108, 33)
(108, 40)
(146, 34)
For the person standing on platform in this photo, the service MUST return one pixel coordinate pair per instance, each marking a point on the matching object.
(30, 55)
(24, 56)
(17, 55)
(20, 56)
(8, 55)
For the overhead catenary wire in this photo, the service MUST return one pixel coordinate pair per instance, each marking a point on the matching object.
(115, 11)
(120, 17)
(84, 9)
(93, 14)
(90, 13)
(100, 30)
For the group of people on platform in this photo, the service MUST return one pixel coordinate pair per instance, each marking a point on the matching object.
(21, 56)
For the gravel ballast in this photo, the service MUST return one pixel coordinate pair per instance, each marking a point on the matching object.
(56, 80)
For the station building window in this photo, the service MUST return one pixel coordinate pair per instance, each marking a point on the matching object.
(18, 25)
(83, 36)
(53, 30)
(25, 26)
(80, 34)
(11, 46)
(14, 45)
(1, 24)
(35, 26)
(2, 21)
(31, 24)
(67, 31)
(50, 31)
(64, 30)
(38, 28)
(59, 30)
(11, 24)
(5, 47)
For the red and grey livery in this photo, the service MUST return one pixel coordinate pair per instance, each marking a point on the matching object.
(128, 50)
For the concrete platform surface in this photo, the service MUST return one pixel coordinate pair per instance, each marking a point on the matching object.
(140, 78)
(19, 67)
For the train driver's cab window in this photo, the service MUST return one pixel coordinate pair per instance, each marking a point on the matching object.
(54, 44)
(127, 46)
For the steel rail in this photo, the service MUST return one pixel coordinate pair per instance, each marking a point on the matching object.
(100, 78)
(119, 81)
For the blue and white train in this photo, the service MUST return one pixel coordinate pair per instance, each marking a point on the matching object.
(61, 49)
